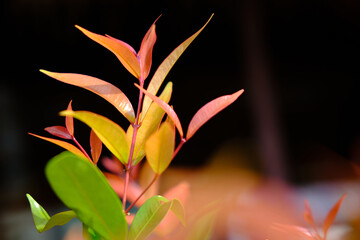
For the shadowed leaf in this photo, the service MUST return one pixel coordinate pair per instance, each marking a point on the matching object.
(123, 51)
(42, 219)
(167, 108)
(62, 144)
(96, 146)
(59, 131)
(81, 186)
(166, 66)
(159, 148)
(110, 133)
(104, 89)
(209, 110)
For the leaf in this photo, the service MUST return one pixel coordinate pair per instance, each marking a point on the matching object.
(90, 234)
(145, 52)
(202, 228)
(59, 131)
(166, 66)
(159, 148)
(81, 186)
(69, 121)
(42, 219)
(110, 133)
(62, 144)
(96, 146)
(104, 89)
(123, 51)
(148, 217)
(209, 110)
(149, 124)
(112, 164)
(308, 216)
(166, 107)
(294, 230)
(331, 215)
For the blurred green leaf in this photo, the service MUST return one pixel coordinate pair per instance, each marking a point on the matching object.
(42, 219)
(81, 186)
(202, 228)
(110, 133)
(148, 217)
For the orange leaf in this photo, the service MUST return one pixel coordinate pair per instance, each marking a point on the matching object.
(104, 89)
(117, 183)
(145, 52)
(209, 110)
(308, 215)
(331, 215)
(58, 131)
(69, 121)
(166, 107)
(166, 66)
(96, 146)
(123, 51)
(293, 231)
(62, 144)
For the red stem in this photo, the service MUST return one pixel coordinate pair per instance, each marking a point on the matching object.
(135, 126)
(183, 140)
(81, 148)
(143, 192)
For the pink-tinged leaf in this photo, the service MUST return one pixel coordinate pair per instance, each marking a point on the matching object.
(307, 215)
(331, 215)
(62, 144)
(112, 165)
(159, 148)
(95, 146)
(209, 110)
(122, 51)
(59, 131)
(166, 66)
(104, 89)
(145, 52)
(167, 108)
(69, 121)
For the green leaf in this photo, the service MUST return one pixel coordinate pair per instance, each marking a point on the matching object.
(42, 219)
(148, 217)
(202, 228)
(159, 148)
(110, 133)
(178, 209)
(104, 89)
(90, 234)
(166, 66)
(149, 124)
(81, 186)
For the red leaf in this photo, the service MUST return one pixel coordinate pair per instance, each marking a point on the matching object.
(96, 146)
(166, 107)
(331, 215)
(308, 215)
(104, 89)
(209, 110)
(59, 131)
(69, 121)
(113, 165)
(124, 52)
(145, 52)
(117, 183)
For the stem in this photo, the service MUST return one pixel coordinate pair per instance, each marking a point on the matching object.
(81, 148)
(143, 192)
(135, 126)
(183, 140)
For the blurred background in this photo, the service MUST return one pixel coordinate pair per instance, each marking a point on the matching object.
(296, 124)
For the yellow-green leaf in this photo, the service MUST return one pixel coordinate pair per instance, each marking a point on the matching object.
(159, 148)
(149, 124)
(104, 89)
(110, 133)
(63, 144)
(122, 50)
(166, 66)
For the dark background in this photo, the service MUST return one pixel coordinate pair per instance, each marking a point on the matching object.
(298, 62)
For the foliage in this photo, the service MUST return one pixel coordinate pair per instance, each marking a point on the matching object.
(93, 196)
